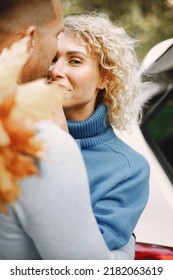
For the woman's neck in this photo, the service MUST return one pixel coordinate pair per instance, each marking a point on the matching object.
(78, 113)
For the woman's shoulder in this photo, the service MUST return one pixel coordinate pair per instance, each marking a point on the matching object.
(128, 155)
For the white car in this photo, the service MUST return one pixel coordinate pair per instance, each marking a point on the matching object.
(154, 139)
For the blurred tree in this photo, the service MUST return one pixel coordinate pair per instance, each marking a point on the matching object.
(149, 21)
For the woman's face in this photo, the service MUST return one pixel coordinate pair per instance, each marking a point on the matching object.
(78, 71)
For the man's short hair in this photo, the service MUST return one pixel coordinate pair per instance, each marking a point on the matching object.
(17, 15)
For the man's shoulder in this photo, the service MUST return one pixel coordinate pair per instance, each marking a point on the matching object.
(49, 132)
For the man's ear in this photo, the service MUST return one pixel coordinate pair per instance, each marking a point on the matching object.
(30, 32)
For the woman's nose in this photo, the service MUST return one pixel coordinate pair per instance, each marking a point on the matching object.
(56, 71)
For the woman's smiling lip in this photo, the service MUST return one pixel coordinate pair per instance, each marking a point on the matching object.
(64, 86)
(59, 84)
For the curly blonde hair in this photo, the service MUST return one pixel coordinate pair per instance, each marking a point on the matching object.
(117, 62)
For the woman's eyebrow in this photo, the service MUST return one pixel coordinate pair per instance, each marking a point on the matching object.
(76, 52)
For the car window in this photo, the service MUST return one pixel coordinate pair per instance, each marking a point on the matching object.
(157, 128)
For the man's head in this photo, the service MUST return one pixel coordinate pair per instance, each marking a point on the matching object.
(42, 20)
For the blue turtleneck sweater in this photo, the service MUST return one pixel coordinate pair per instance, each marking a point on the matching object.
(118, 177)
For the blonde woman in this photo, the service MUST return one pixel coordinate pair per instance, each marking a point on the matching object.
(97, 65)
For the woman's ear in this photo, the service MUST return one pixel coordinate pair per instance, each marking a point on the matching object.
(30, 32)
(101, 84)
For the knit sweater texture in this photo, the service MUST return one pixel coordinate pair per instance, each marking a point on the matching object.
(118, 177)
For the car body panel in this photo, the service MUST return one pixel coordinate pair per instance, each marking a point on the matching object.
(155, 225)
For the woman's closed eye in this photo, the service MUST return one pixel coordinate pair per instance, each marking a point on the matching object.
(75, 61)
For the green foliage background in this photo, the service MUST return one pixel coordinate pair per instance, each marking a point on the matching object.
(149, 21)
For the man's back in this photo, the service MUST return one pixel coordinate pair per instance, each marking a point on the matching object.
(53, 218)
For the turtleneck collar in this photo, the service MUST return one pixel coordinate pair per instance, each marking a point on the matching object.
(91, 131)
